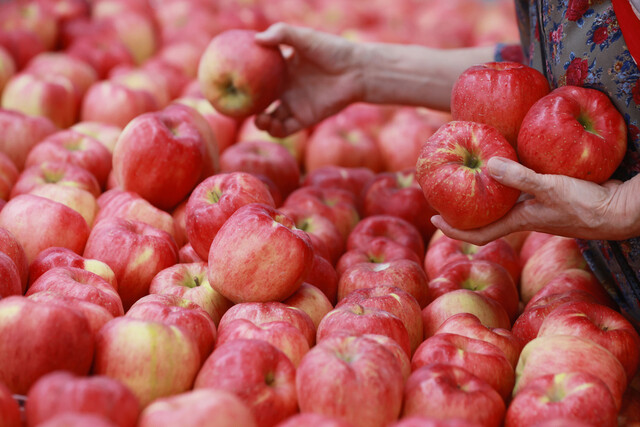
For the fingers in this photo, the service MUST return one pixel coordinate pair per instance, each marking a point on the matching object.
(279, 123)
(300, 38)
(513, 174)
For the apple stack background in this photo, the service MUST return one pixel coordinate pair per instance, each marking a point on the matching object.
(163, 264)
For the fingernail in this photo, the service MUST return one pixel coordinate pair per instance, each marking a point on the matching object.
(266, 34)
(497, 167)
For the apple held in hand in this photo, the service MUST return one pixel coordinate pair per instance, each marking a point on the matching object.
(259, 255)
(240, 77)
(451, 170)
(498, 94)
(573, 131)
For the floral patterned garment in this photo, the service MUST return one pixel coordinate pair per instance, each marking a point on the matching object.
(579, 42)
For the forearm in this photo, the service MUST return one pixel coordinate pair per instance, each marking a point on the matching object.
(415, 75)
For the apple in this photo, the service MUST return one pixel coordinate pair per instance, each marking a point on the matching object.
(143, 80)
(105, 133)
(531, 244)
(198, 407)
(75, 198)
(214, 200)
(356, 319)
(258, 373)
(395, 301)
(498, 94)
(490, 312)
(32, 16)
(469, 325)
(336, 204)
(22, 44)
(592, 135)
(71, 419)
(313, 419)
(389, 226)
(352, 179)
(556, 255)
(557, 354)
(59, 173)
(452, 173)
(115, 104)
(419, 421)
(51, 96)
(282, 335)
(483, 359)
(258, 255)
(20, 133)
(341, 143)
(323, 276)
(81, 284)
(8, 176)
(402, 273)
(153, 140)
(152, 359)
(340, 364)
(445, 391)
(10, 247)
(574, 279)
(176, 311)
(379, 250)
(399, 194)
(39, 338)
(137, 32)
(263, 158)
(572, 395)
(312, 301)
(135, 251)
(260, 313)
(102, 50)
(62, 392)
(179, 219)
(62, 226)
(7, 67)
(445, 251)
(9, 409)
(527, 325)
(189, 281)
(173, 75)
(187, 255)
(128, 205)
(295, 143)
(485, 277)
(238, 76)
(599, 324)
(11, 283)
(183, 55)
(81, 74)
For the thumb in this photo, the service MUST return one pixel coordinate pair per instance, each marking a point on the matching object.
(513, 174)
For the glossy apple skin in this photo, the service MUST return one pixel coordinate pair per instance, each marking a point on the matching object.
(9, 409)
(483, 359)
(600, 324)
(257, 372)
(56, 173)
(125, 346)
(39, 338)
(96, 395)
(8, 176)
(555, 354)
(445, 391)
(312, 301)
(313, 419)
(20, 133)
(389, 226)
(452, 172)
(10, 247)
(573, 395)
(259, 255)
(198, 407)
(574, 279)
(354, 363)
(498, 94)
(214, 200)
(573, 131)
(10, 284)
(256, 73)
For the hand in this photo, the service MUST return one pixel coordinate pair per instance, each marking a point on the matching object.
(324, 77)
(557, 204)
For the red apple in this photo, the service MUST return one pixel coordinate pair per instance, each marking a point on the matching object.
(485, 277)
(105, 133)
(389, 226)
(9, 409)
(10, 283)
(56, 173)
(498, 94)
(329, 373)
(257, 372)
(75, 198)
(483, 359)
(7, 67)
(574, 279)
(81, 74)
(295, 143)
(70, 419)
(573, 395)
(313, 419)
(214, 200)
(115, 104)
(312, 301)
(61, 392)
(352, 179)
(239, 76)
(258, 255)
(39, 338)
(10, 247)
(22, 44)
(444, 391)
(102, 50)
(31, 16)
(125, 346)
(8, 176)
(198, 407)
(452, 172)
(189, 281)
(531, 244)
(20, 133)
(323, 276)
(379, 250)
(585, 137)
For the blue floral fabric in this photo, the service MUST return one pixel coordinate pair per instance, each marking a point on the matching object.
(579, 42)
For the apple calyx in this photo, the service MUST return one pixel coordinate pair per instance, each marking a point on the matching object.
(270, 378)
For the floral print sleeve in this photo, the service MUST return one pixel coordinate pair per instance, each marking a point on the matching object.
(579, 42)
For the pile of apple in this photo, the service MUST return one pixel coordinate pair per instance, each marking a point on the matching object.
(164, 264)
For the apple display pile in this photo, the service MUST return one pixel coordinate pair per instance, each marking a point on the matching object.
(164, 262)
